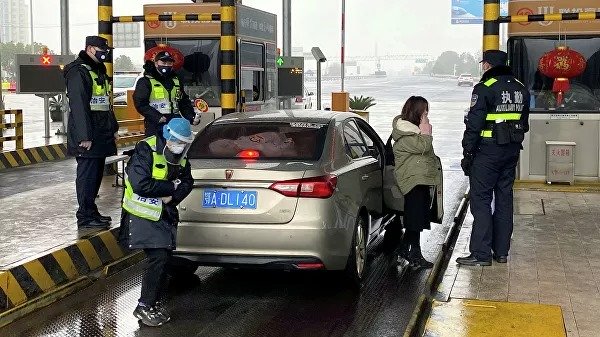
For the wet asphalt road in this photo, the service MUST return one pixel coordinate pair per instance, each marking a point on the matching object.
(272, 303)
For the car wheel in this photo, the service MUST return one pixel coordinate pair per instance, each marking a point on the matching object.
(357, 260)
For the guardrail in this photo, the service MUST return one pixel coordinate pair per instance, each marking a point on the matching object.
(15, 123)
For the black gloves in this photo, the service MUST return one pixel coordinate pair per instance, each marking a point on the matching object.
(466, 163)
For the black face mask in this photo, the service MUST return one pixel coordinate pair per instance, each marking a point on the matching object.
(164, 70)
(101, 56)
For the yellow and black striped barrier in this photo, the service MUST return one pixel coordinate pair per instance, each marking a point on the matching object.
(228, 60)
(168, 17)
(105, 30)
(492, 21)
(582, 16)
(491, 28)
(16, 125)
(18, 158)
(23, 285)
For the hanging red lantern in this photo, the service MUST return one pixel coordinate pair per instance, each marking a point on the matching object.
(175, 53)
(561, 64)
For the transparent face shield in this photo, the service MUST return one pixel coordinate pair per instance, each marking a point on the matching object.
(176, 148)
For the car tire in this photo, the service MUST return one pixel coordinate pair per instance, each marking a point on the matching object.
(356, 267)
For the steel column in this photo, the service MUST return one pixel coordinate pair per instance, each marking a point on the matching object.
(491, 26)
(228, 57)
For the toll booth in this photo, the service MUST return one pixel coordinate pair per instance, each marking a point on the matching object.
(199, 42)
(573, 117)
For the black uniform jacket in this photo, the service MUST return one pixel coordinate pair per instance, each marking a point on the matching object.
(145, 233)
(141, 100)
(99, 127)
(506, 91)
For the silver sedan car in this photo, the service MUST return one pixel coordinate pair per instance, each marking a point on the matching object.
(288, 189)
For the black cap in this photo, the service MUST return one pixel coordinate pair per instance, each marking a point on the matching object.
(97, 41)
(164, 56)
(495, 57)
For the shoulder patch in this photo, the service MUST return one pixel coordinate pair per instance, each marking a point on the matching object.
(474, 99)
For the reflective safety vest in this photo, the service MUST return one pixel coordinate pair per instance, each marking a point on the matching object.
(494, 117)
(166, 102)
(148, 208)
(100, 100)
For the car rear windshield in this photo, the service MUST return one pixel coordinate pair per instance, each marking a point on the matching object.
(261, 140)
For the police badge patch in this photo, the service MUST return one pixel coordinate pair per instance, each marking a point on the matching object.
(474, 100)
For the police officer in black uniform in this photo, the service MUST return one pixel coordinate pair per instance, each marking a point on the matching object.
(92, 127)
(495, 128)
(159, 96)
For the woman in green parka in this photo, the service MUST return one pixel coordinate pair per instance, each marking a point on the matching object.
(417, 170)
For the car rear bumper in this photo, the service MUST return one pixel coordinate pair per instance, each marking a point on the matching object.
(262, 245)
(262, 262)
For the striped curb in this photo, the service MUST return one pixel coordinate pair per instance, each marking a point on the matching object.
(23, 284)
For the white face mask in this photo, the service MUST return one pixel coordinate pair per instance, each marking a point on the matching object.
(176, 148)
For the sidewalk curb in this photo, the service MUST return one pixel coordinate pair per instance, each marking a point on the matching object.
(35, 155)
(421, 312)
(34, 283)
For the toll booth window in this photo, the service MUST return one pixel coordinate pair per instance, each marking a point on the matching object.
(584, 92)
(252, 64)
(200, 73)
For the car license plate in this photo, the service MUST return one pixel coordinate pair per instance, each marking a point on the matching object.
(233, 199)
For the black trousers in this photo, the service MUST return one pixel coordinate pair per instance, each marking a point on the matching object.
(492, 177)
(416, 208)
(154, 283)
(87, 184)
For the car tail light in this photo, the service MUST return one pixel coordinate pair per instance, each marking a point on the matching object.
(317, 187)
(305, 266)
(299, 99)
(248, 154)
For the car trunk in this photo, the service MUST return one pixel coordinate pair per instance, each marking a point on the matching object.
(230, 191)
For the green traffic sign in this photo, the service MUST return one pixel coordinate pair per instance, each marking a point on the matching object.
(280, 61)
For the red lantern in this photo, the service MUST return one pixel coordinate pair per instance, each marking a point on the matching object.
(175, 53)
(561, 64)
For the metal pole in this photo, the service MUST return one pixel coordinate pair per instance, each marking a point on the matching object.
(31, 25)
(287, 38)
(228, 57)
(46, 116)
(344, 40)
(64, 27)
(491, 27)
(105, 30)
(318, 85)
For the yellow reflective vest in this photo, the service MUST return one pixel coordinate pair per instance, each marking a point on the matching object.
(148, 208)
(166, 102)
(100, 100)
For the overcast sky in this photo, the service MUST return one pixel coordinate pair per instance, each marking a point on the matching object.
(394, 26)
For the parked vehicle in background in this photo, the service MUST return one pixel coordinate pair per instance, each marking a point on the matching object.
(122, 82)
(465, 79)
(303, 102)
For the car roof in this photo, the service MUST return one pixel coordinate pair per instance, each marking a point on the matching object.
(314, 116)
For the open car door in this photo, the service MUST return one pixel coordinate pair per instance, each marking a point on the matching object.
(392, 197)
(436, 213)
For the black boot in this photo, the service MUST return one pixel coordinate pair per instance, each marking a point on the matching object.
(416, 259)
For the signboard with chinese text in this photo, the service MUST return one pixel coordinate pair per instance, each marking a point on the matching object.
(471, 11)
(529, 7)
(256, 24)
(560, 161)
(182, 28)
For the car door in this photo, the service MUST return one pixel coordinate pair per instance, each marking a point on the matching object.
(392, 197)
(366, 171)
